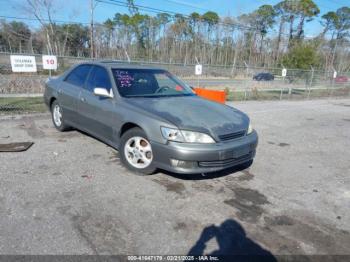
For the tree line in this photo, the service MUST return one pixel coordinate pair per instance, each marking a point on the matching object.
(271, 36)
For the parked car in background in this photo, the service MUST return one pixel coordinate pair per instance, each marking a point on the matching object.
(151, 117)
(341, 79)
(263, 77)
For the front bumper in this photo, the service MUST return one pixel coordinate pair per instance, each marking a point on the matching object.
(205, 158)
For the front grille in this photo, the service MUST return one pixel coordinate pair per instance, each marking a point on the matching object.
(226, 162)
(231, 136)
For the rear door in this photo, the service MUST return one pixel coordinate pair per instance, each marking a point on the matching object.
(97, 112)
(69, 92)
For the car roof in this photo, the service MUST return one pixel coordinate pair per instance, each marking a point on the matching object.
(121, 65)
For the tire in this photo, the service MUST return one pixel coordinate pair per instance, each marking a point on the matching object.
(136, 152)
(58, 117)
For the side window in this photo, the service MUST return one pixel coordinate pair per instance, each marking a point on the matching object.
(78, 75)
(98, 78)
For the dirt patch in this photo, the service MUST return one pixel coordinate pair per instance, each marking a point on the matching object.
(283, 144)
(327, 239)
(69, 134)
(114, 158)
(31, 128)
(202, 186)
(248, 203)
(279, 144)
(180, 226)
(246, 176)
(246, 211)
(171, 186)
(94, 157)
(251, 195)
(279, 221)
(105, 234)
(43, 167)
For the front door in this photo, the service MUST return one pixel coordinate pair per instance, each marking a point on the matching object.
(97, 112)
(69, 92)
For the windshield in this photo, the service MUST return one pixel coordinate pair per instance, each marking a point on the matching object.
(148, 83)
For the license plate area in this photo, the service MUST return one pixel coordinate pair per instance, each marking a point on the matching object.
(239, 152)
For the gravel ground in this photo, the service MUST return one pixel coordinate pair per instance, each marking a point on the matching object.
(69, 194)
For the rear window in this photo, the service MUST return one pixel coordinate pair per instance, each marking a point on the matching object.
(78, 75)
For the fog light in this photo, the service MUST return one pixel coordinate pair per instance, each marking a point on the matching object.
(183, 164)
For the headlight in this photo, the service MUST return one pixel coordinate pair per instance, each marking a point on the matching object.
(196, 137)
(250, 129)
(172, 134)
(177, 135)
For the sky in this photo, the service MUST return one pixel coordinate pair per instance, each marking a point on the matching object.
(79, 10)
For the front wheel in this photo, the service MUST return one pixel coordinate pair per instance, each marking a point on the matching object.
(136, 152)
(57, 117)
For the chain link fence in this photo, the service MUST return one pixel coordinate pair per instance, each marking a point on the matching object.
(22, 92)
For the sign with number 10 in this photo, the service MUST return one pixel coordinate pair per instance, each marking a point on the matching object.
(50, 62)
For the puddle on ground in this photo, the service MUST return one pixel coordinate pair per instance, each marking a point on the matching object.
(177, 187)
(246, 176)
(283, 144)
(248, 203)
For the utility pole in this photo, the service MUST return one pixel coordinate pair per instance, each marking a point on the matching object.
(92, 55)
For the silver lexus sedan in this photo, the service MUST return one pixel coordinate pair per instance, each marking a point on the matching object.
(151, 117)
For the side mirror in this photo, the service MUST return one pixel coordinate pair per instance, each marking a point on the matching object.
(99, 91)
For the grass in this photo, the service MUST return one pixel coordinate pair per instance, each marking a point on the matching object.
(20, 105)
(9, 105)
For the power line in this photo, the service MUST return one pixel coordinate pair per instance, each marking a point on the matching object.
(142, 7)
(45, 20)
(185, 4)
(156, 10)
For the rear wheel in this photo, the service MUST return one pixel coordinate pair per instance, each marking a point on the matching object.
(57, 117)
(136, 152)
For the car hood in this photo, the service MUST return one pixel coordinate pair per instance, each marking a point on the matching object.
(194, 113)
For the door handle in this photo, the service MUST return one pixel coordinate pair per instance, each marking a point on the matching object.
(82, 99)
